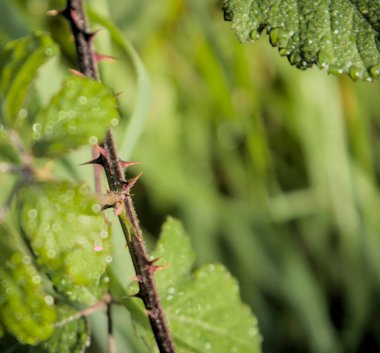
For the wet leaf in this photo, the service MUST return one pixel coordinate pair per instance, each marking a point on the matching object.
(80, 113)
(72, 337)
(341, 36)
(8, 152)
(204, 309)
(26, 310)
(69, 238)
(19, 63)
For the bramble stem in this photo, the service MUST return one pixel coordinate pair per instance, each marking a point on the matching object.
(144, 267)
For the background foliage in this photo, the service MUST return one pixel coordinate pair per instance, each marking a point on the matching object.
(274, 172)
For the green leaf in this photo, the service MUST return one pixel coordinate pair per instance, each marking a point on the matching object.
(203, 308)
(26, 311)
(19, 62)
(72, 337)
(341, 36)
(8, 152)
(69, 238)
(80, 113)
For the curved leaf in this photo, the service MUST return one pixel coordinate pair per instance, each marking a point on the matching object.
(69, 238)
(26, 311)
(19, 62)
(203, 308)
(341, 36)
(80, 113)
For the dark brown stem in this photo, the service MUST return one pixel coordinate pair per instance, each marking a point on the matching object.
(144, 267)
(111, 340)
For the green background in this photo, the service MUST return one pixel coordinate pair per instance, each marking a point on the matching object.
(273, 171)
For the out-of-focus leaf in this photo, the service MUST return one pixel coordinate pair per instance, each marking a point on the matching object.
(71, 337)
(143, 90)
(7, 150)
(80, 113)
(19, 62)
(26, 311)
(203, 308)
(69, 238)
(341, 36)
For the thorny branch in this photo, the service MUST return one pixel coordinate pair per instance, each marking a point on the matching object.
(113, 166)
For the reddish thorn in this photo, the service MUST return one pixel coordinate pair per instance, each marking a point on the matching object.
(126, 164)
(154, 268)
(76, 73)
(98, 160)
(102, 151)
(104, 57)
(130, 183)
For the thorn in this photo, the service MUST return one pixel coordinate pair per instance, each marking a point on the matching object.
(76, 73)
(130, 183)
(54, 12)
(152, 262)
(117, 94)
(89, 36)
(102, 151)
(104, 57)
(106, 207)
(126, 164)
(136, 295)
(97, 160)
(154, 268)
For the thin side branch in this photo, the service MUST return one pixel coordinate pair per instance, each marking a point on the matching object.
(110, 160)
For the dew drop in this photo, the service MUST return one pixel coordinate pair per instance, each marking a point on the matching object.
(49, 300)
(62, 114)
(104, 234)
(36, 279)
(82, 100)
(32, 214)
(171, 290)
(96, 207)
(93, 140)
(26, 260)
(23, 113)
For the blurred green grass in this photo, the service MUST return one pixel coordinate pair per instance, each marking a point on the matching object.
(274, 172)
